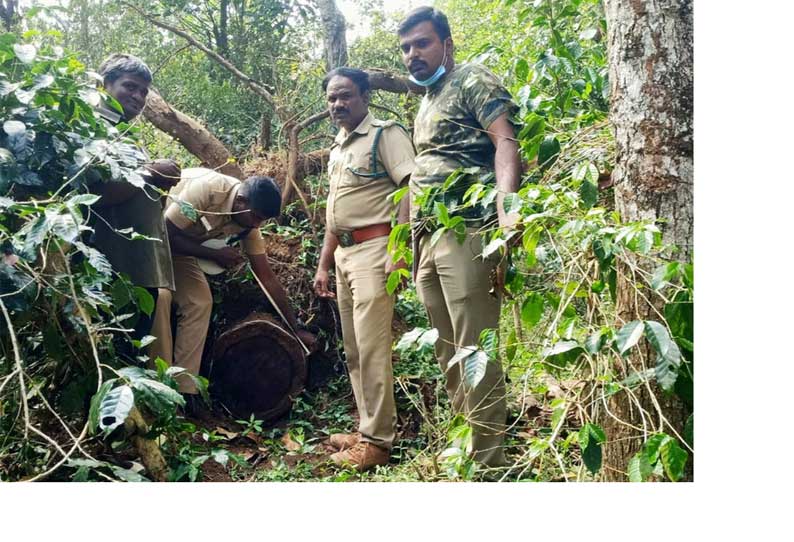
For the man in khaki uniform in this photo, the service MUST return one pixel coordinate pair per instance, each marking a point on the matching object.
(463, 123)
(225, 208)
(369, 160)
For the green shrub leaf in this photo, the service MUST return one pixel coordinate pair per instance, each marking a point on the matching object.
(115, 407)
(628, 336)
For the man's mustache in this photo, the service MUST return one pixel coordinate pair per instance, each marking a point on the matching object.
(416, 65)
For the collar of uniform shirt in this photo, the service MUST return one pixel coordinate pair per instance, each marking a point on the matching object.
(362, 129)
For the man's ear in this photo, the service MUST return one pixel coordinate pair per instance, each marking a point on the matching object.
(240, 203)
(365, 97)
(449, 46)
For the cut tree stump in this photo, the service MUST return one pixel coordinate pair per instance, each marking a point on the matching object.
(257, 368)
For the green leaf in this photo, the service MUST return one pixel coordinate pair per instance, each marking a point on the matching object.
(652, 446)
(585, 171)
(668, 356)
(428, 338)
(532, 309)
(82, 199)
(97, 260)
(96, 401)
(664, 274)
(594, 342)
(639, 468)
(589, 193)
(689, 430)
(522, 70)
(474, 368)
(489, 342)
(460, 354)
(128, 475)
(393, 281)
(441, 213)
(530, 242)
(398, 195)
(417, 337)
(115, 407)
(674, 459)
(145, 341)
(161, 399)
(437, 235)
(548, 152)
(628, 336)
(145, 300)
(26, 53)
(591, 449)
(512, 345)
(560, 348)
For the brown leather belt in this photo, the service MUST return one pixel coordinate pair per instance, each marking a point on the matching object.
(350, 238)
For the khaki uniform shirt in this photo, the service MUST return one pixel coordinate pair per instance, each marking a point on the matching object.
(449, 128)
(148, 263)
(212, 195)
(355, 202)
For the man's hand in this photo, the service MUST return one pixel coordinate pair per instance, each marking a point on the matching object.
(321, 285)
(228, 257)
(163, 173)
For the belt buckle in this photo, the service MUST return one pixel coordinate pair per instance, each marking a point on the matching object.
(346, 239)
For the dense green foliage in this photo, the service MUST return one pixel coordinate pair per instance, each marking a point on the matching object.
(566, 348)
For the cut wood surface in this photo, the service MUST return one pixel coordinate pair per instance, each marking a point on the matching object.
(257, 368)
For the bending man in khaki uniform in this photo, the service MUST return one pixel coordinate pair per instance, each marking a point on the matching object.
(369, 160)
(225, 208)
(462, 123)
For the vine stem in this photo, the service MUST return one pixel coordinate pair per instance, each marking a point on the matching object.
(18, 361)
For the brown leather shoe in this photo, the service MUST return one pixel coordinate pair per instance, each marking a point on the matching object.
(343, 441)
(362, 456)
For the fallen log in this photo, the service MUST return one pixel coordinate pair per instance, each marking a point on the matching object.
(193, 136)
(257, 367)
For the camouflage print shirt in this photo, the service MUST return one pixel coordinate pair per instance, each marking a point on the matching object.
(448, 131)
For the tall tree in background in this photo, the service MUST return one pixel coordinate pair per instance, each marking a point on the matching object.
(8, 13)
(335, 41)
(651, 79)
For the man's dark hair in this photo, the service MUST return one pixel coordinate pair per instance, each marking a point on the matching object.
(263, 195)
(119, 64)
(359, 77)
(422, 14)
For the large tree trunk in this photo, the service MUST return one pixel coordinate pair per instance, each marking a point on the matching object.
(192, 135)
(335, 41)
(651, 80)
(8, 13)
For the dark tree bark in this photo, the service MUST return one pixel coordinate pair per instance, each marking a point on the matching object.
(335, 41)
(8, 13)
(651, 78)
(193, 136)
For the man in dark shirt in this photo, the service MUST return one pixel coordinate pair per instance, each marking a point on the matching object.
(146, 261)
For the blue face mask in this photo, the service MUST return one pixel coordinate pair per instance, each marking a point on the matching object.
(430, 80)
(440, 71)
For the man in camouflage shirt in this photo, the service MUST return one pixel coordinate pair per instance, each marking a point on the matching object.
(464, 123)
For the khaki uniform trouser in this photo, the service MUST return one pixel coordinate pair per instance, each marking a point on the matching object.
(453, 281)
(193, 300)
(366, 311)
